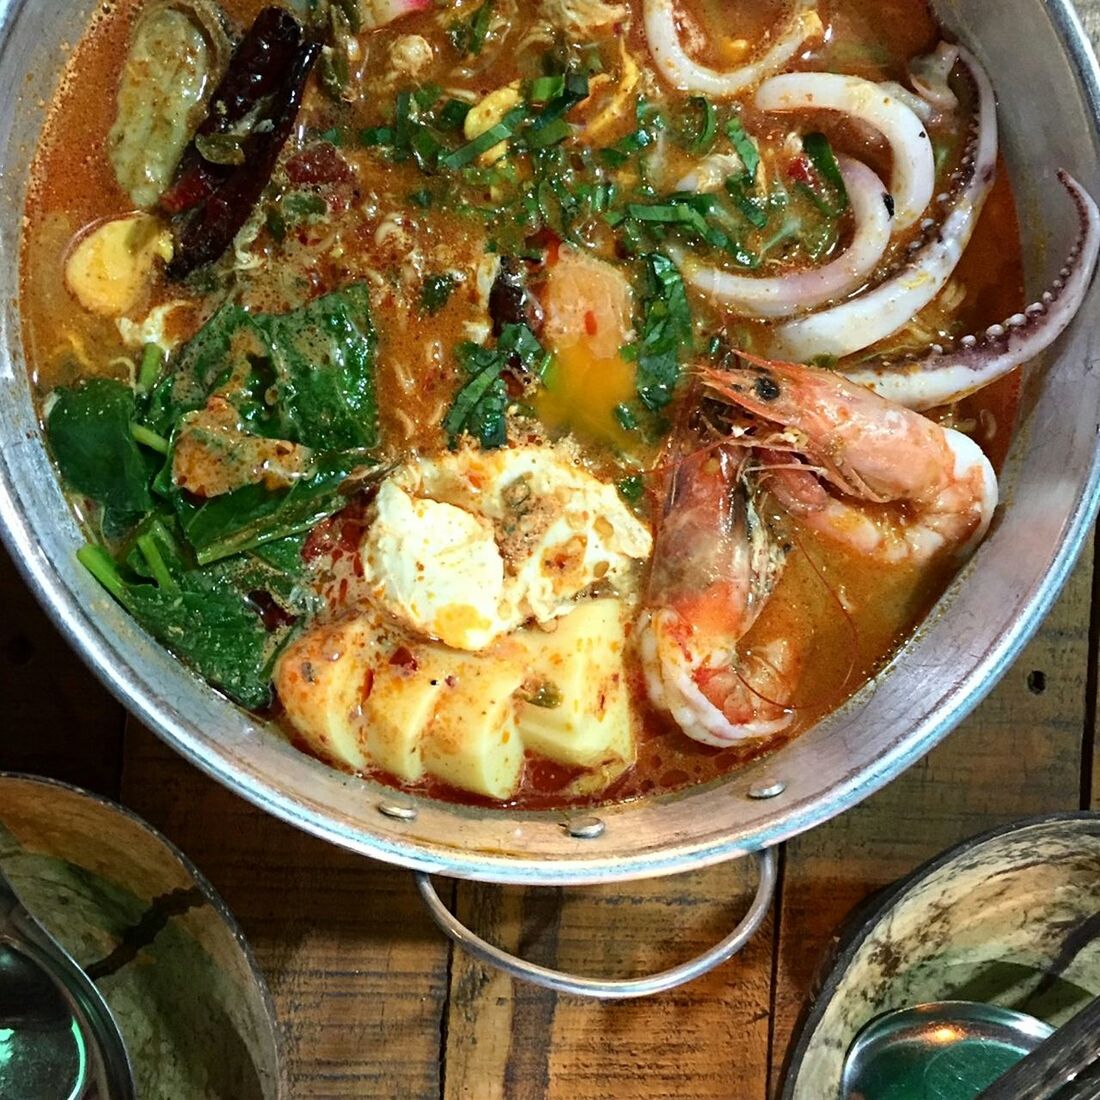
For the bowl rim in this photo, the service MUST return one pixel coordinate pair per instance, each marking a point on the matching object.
(206, 888)
(869, 914)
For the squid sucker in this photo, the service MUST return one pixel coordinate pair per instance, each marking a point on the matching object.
(947, 375)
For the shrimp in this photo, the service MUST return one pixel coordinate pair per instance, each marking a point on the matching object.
(715, 564)
(873, 452)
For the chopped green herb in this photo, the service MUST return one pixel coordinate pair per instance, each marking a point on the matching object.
(427, 95)
(745, 146)
(632, 488)
(666, 332)
(452, 114)
(545, 88)
(499, 132)
(624, 414)
(436, 292)
(700, 136)
(376, 135)
(479, 406)
(832, 195)
(751, 206)
(550, 134)
(468, 35)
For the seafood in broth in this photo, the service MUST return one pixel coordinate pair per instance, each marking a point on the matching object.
(531, 401)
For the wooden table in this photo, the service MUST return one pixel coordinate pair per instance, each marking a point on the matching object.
(375, 1004)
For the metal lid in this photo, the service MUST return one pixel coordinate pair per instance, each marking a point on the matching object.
(42, 1050)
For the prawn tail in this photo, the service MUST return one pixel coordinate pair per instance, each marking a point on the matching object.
(716, 702)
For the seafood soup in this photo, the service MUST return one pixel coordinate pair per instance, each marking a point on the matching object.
(530, 402)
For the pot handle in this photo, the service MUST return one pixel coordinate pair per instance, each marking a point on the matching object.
(608, 989)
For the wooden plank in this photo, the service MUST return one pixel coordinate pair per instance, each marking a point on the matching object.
(58, 719)
(1019, 754)
(516, 1042)
(357, 970)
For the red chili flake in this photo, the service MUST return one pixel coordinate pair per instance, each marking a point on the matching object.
(450, 681)
(320, 163)
(403, 657)
(591, 325)
(368, 683)
(800, 170)
(549, 240)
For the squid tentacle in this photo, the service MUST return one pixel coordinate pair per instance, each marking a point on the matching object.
(914, 174)
(945, 376)
(880, 312)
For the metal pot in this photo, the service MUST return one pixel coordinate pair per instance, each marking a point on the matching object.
(1049, 87)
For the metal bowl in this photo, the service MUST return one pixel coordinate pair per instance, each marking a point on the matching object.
(1007, 919)
(970, 639)
(158, 941)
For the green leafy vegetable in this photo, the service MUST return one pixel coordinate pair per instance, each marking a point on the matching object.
(254, 515)
(468, 35)
(191, 572)
(667, 332)
(436, 292)
(90, 431)
(831, 194)
(479, 406)
(202, 617)
(745, 146)
(323, 361)
(305, 376)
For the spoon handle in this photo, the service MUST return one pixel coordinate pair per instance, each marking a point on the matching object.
(1070, 1050)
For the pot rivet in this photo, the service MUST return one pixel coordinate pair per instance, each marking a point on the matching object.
(397, 810)
(585, 828)
(767, 790)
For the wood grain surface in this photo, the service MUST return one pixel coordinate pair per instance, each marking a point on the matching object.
(374, 1004)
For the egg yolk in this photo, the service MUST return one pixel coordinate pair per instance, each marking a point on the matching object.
(580, 394)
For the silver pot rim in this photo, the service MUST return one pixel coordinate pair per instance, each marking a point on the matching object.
(655, 836)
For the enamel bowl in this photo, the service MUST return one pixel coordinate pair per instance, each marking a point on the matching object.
(1050, 484)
